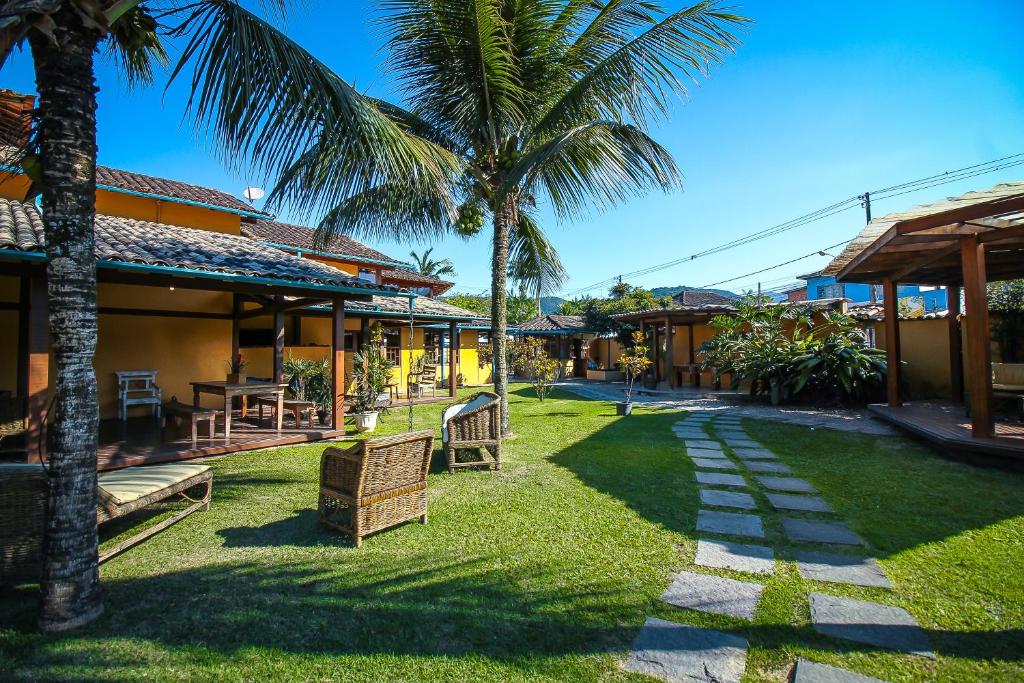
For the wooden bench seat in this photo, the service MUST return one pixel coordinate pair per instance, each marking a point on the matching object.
(178, 410)
(295, 407)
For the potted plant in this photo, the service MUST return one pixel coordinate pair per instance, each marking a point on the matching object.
(372, 372)
(236, 370)
(633, 362)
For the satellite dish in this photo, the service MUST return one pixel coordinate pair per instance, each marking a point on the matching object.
(253, 193)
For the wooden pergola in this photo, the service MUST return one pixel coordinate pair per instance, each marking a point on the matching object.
(963, 241)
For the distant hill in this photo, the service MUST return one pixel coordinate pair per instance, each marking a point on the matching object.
(670, 291)
(550, 304)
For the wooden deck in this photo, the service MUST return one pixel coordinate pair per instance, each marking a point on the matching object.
(947, 426)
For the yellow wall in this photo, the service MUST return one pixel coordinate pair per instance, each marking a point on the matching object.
(171, 213)
(13, 186)
(924, 349)
(599, 352)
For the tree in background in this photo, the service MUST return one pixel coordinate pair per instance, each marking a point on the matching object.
(261, 97)
(430, 267)
(536, 101)
(521, 307)
(1006, 300)
(622, 298)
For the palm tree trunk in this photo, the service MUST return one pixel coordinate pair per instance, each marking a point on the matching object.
(499, 311)
(67, 135)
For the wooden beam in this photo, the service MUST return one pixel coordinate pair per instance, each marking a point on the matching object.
(279, 343)
(670, 353)
(338, 364)
(956, 361)
(158, 313)
(979, 350)
(890, 303)
(36, 358)
(930, 256)
(1006, 234)
(279, 305)
(972, 212)
(453, 354)
(113, 275)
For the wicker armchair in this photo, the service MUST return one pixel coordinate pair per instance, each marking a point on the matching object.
(375, 484)
(475, 423)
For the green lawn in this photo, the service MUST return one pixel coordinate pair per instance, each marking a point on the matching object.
(545, 570)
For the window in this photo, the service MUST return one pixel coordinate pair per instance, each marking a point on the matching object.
(422, 291)
(368, 275)
(393, 346)
(833, 291)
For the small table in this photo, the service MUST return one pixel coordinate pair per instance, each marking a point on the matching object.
(230, 390)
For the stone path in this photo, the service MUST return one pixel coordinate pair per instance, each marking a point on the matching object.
(733, 471)
(811, 672)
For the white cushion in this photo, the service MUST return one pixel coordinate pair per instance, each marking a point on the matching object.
(458, 409)
(133, 483)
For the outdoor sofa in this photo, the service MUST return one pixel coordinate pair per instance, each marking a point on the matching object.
(475, 423)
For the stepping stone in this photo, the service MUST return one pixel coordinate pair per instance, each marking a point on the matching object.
(785, 501)
(767, 466)
(786, 484)
(811, 672)
(714, 463)
(727, 499)
(690, 434)
(705, 453)
(754, 454)
(702, 443)
(813, 531)
(720, 479)
(677, 652)
(743, 443)
(731, 433)
(714, 594)
(741, 557)
(860, 571)
(869, 623)
(732, 523)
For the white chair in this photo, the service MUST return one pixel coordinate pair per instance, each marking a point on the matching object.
(137, 388)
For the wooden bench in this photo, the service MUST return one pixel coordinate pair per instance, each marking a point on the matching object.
(295, 407)
(177, 410)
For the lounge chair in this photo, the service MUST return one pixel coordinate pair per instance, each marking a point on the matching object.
(375, 484)
(475, 423)
(23, 494)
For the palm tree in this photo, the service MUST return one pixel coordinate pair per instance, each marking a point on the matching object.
(539, 100)
(258, 94)
(431, 268)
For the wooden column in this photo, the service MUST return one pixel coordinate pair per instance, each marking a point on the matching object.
(364, 332)
(669, 354)
(453, 353)
(236, 324)
(694, 375)
(338, 363)
(279, 341)
(979, 350)
(35, 357)
(890, 303)
(956, 359)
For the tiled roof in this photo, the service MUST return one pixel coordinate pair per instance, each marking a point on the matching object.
(301, 237)
(412, 276)
(697, 297)
(127, 240)
(707, 309)
(552, 323)
(423, 306)
(138, 182)
(876, 311)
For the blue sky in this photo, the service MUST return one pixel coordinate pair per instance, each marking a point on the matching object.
(821, 102)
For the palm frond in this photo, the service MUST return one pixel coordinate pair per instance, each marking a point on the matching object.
(134, 43)
(534, 262)
(396, 212)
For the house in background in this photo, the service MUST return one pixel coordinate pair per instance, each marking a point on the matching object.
(566, 340)
(924, 298)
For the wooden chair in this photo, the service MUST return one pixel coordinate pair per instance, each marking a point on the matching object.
(475, 423)
(137, 388)
(375, 484)
(23, 500)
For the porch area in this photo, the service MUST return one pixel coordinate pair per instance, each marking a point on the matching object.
(945, 424)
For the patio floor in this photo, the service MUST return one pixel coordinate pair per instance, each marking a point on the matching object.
(947, 425)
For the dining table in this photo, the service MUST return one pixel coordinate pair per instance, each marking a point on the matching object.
(229, 390)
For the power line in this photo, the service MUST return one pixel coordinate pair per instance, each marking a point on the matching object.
(825, 212)
(777, 265)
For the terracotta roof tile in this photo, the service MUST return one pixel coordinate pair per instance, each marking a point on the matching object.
(698, 297)
(301, 237)
(175, 189)
(405, 275)
(423, 306)
(552, 323)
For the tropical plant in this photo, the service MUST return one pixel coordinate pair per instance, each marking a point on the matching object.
(538, 100)
(622, 298)
(430, 267)
(309, 379)
(634, 361)
(260, 96)
(520, 307)
(236, 364)
(1006, 301)
(792, 353)
(371, 371)
(545, 371)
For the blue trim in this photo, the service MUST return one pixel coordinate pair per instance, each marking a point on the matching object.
(330, 254)
(378, 313)
(162, 197)
(538, 333)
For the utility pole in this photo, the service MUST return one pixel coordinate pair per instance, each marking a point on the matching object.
(866, 203)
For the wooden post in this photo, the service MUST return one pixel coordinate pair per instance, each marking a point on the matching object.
(279, 342)
(956, 360)
(453, 352)
(979, 350)
(35, 356)
(890, 304)
(669, 353)
(338, 363)
(694, 375)
(236, 324)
